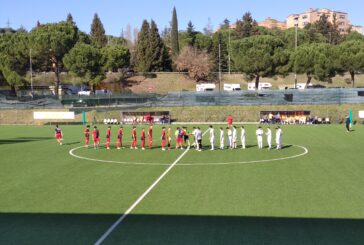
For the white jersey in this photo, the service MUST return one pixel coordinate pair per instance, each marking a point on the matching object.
(212, 133)
(242, 135)
(229, 132)
(268, 133)
(199, 135)
(235, 134)
(221, 135)
(259, 132)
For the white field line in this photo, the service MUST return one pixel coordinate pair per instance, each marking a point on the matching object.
(130, 209)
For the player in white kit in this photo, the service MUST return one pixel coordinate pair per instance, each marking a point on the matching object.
(259, 132)
(242, 137)
(212, 137)
(235, 137)
(268, 133)
(279, 138)
(230, 137)
(222, 138)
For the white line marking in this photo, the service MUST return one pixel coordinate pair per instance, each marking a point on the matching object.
(127, 212)
(71, 152)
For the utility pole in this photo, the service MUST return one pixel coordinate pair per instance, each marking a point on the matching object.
(31, 72)
(229, 56)
(219, 65)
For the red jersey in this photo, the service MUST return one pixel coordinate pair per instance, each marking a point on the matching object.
(163, 135)
(230, 120)
(120, 133)
(150, 133)
(95, 133)
(133, 134)
(87, 132)
(143, 135)
(108, 133)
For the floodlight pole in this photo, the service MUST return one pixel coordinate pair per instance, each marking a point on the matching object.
(295, 48)
(229, 49)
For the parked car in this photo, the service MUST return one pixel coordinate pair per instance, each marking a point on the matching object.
(232, 87)
(84, 92)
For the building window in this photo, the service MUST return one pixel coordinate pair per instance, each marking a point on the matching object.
(304, 17)
(342, 17)
(305, 23)
(341, 23)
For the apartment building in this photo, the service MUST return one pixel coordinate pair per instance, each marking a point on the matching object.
(313, 15)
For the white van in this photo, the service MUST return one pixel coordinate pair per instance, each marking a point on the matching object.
(203, 87)
(232, 87)
(262, 86)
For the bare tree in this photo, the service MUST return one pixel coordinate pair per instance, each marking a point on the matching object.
(195, 62)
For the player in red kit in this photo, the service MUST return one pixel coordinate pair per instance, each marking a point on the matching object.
(120, 138)
(142, 138)
(134, 139)
(150, 137)
(58, 134)
(108, 137)
(96, 137)
(87, 135)
(163, 138)
(230, 120)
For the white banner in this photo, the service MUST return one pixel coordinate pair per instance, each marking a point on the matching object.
(59, 115)
(361, 114)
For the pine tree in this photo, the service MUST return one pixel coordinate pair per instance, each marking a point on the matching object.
(246, 27)
(225, 24)
(174, 34)
(142, 56)
(70, 19)
(217, 39)
(160, 60)
(98, 36)
(191, 33)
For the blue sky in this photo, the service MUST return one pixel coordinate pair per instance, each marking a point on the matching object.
(115, 15)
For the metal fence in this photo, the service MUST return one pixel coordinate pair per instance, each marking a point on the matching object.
(267, 97)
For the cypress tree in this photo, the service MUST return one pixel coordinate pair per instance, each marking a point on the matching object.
(98, 36)
(142, 55)
(191, 33)
(70, 19)
(174, 34)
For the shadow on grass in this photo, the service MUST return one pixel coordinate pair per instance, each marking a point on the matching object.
(26, 228)
(72, 143)
(22, 140)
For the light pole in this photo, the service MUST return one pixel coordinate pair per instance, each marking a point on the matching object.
(31, 72)
(229, 49)
(219, 65)
(295, 49)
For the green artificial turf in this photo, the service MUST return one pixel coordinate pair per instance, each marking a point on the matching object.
(48, 196)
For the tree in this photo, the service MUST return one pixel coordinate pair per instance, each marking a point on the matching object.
(174, 34)
(256, 56)
(195, 62)
(208, 30)
(14, 58)
(115, 57)
(247, 26)
(85, 61)
(50, 43)
(142, 56)
(160, 60)
(203, 42)
(70, 19)
(191, 33)
(98, 36)
(314, 60)
(225, 24)
(350, 58)
(327, 29)
(219, 38)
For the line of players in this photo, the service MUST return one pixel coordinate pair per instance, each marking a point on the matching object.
(182, 137)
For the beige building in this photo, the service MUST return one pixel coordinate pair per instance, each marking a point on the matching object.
(273, 24)
(313, 15)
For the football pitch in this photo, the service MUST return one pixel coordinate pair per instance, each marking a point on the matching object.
(310, 192)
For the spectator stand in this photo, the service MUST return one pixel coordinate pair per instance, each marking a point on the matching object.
(151, 117)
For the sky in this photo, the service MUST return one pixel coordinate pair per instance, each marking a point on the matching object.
(117, 14)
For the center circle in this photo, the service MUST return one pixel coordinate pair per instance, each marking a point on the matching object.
(304, 152)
